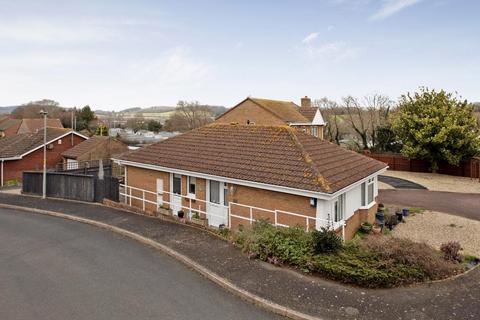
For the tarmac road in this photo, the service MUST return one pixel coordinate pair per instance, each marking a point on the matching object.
(58, 269)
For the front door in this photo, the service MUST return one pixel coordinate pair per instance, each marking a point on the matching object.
(217, 206)
(176, 201)
(159, 193)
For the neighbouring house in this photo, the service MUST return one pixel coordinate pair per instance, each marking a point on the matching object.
(232, 174)
(12, 126)
(95, 148)
(24, 151)
(274, 112)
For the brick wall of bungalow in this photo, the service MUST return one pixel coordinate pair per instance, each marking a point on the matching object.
(249, 111)
(13, 169)
(260, 198)
(147, 179)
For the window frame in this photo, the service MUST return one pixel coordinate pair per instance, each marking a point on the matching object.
(179, 177)
(191, 183)
(338, 208)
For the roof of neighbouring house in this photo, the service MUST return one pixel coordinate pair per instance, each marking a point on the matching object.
(275, 155)
(19, 144)
(33, 125)
(84, 147)
(286, 111)
(8, 123)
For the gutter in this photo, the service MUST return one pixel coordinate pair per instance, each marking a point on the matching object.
(299, 192)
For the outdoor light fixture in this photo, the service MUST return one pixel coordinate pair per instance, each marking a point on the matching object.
(313, 202)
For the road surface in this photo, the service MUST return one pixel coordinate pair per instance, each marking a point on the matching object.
(52, 268)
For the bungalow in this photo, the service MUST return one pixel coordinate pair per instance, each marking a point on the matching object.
(95, 148)
(275, 112)
(24, 151)
(233, 174)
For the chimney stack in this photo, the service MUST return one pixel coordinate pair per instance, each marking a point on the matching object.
(306, 102)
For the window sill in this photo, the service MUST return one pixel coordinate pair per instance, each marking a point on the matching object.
(368, 206)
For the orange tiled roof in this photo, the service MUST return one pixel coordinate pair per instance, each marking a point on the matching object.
(276, 155)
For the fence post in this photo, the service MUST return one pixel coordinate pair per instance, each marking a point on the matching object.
(308, 227)
(251, 215)
(130, 197)
(190, 208)
(343, 230)
(143, 200)
(276, 217)
(229, 215)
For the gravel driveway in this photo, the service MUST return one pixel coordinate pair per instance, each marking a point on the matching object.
(436, 228)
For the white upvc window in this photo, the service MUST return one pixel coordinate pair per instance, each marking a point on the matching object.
(339, 208)
(192, 187)
(368, 192)
(314, 131)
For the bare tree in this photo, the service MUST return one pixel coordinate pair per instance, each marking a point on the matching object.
(188, 116)
(365, 115)
(331, 113)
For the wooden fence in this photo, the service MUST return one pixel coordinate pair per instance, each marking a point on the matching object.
(469, 168)
(72, 186)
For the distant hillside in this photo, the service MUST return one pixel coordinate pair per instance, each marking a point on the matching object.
(7, 109)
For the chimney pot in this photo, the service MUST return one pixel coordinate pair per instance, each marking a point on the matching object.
(306, 102)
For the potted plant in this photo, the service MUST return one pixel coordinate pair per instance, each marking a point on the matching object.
(196, 219)
(399, 215)
(377, 229)
(181, 214)
(366, 227)
(405, 212)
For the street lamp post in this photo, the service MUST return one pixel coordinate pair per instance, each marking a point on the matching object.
(44, 114)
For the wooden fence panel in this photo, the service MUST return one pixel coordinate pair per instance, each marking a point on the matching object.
(72, 186)
(469, 168)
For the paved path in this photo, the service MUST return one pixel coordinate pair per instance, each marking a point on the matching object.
(400, 183)
(455, 299)
(461, 204)
(58, 269)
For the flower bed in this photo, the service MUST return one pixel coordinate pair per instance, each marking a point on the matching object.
(373, 261)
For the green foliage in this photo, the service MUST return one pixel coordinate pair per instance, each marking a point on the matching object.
(84, 117)
(325, 240)
(153, 125)
(370, 261)
(101, 130)
(266, 242)
(436, 126)
(386, 140)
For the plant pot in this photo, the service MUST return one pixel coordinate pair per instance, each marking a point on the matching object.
(380, 216)
(181, 214)
(200, 222)
(405, 212)
(366, 227)
(399, 215)
(377, 229)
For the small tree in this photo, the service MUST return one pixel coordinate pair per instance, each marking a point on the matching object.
(436, 126)
(153, 125)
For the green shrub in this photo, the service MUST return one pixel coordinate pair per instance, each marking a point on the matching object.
(325, 240)
(371, 261)
(267, 242)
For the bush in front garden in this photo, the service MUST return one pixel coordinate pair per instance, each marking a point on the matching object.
(451, 251)
(376, 261)
(325, 241)
(264, 241)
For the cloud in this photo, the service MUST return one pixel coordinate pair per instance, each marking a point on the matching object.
(174, 67)
(335, 51)
(391, 7)
(309, 38)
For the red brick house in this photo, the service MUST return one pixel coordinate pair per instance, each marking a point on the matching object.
(275, 112)
(24, 151)
(232, 174)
